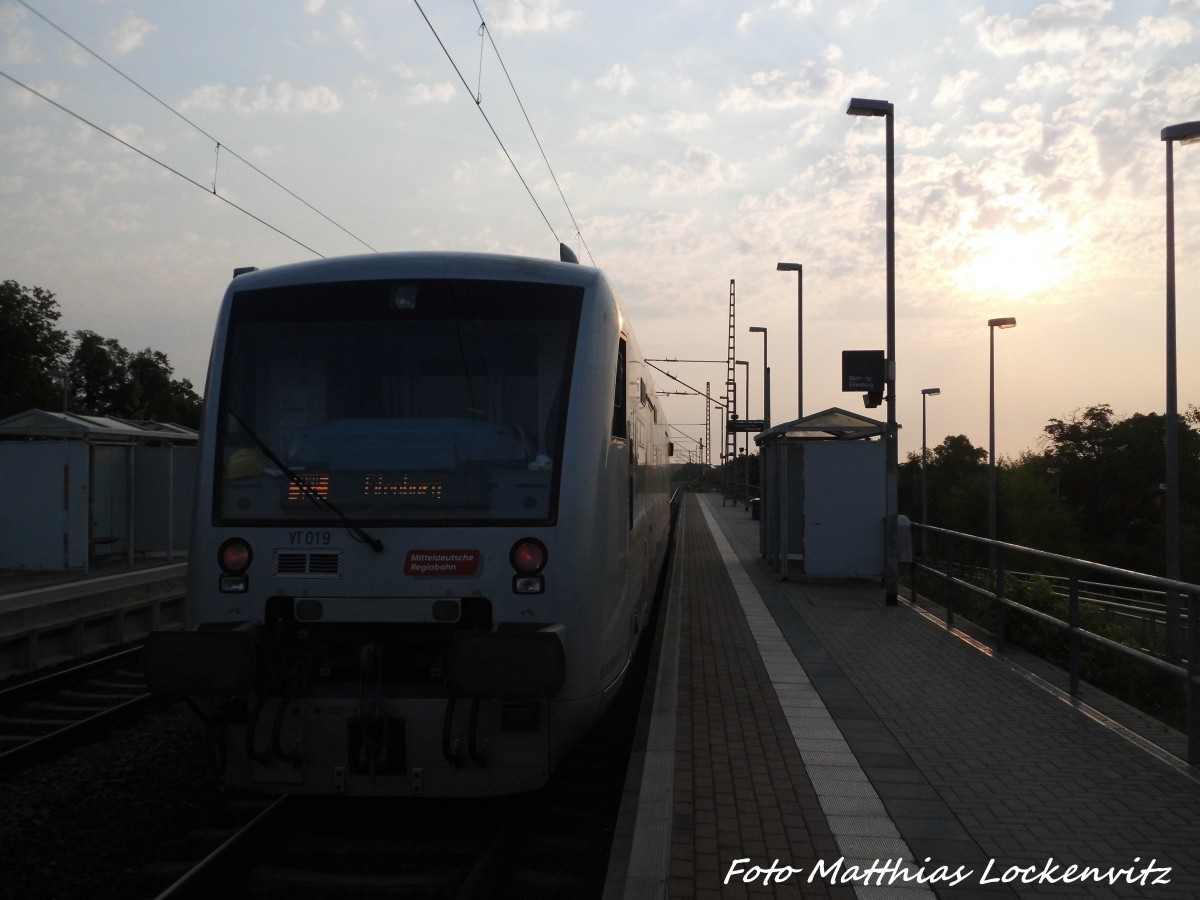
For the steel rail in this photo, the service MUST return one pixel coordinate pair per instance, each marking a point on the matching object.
(40, 747)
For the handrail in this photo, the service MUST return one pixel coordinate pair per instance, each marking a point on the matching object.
(1076, 635)
(1156, 581)
(1144, 606)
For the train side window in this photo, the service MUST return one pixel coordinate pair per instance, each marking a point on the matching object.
(620, 428)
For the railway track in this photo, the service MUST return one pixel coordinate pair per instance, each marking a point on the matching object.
(549, 843)
(44, 715)
(304, 847)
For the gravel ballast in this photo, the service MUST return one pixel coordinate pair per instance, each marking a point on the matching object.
(85, 823)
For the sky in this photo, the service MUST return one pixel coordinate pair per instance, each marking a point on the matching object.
(677, 145)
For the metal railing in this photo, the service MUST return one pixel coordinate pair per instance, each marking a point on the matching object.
(1178, 596)
(1141, 608)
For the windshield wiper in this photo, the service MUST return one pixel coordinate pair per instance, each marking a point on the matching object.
(356, 531)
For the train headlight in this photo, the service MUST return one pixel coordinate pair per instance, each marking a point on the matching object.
(528, 557)
(234, 557)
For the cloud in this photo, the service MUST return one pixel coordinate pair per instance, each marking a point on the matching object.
(366, 87)
(1175, 87)
(23, 98)
(811, 87)
(618, 78)
(312, 7)
(422, 93)
(702, 171)
(953, 88)
(18, 40)
(917, 138)
(275, 96)
(137, 136)
(1167, 32)
(680, 122)
(1039, 75)
(126, 218)
(1070, 26)
(1023, 128)
(624, 127)
(797, 8)
(129, 35)
(353, 32)
(526, 16)
(850, 14)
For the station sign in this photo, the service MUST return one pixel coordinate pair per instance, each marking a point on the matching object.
(863, 371)
(734, 426)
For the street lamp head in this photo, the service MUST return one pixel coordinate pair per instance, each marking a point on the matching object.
(757, 329)
(789, 267)
(742, 362)
(860, 107)
(931, 392)
(1005, 322)
(1185, 132)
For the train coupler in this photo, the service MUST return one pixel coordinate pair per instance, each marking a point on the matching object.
(376, 746)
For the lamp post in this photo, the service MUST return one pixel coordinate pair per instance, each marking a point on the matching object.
(1184, 133)
(993, 324)
(758, 329)
(799, 270)
(746, 434)
(925, 394)
(891, 578)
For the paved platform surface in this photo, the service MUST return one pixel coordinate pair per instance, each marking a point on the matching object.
(809, 741)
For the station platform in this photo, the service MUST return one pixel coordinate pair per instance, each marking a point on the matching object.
(54, 618)
(807, 740)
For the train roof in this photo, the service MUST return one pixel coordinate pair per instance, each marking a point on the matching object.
(419, 264)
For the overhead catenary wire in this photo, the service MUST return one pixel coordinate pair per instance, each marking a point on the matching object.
(219, 145)
(491, 127)
(484, 30)
(159, 162)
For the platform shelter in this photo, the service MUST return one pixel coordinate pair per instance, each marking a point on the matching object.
(823, 500)
(78, 488)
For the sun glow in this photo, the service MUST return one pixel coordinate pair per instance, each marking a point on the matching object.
(1014, 264)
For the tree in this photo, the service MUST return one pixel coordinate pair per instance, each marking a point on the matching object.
(957, 479)
(1032, 510)
(1112, 470)
(109, 380)
(31, 347)
(154, 394)
(99, 375)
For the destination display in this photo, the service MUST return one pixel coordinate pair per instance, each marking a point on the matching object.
(863, 371)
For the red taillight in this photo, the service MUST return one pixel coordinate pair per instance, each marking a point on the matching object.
(528, 556)
(234, 556)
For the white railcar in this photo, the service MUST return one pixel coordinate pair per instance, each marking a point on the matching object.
(431, 510)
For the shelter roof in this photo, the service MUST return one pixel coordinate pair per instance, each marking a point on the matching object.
(834, 423)
(38, 423)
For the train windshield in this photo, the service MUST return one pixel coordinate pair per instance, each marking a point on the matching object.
(436, 401)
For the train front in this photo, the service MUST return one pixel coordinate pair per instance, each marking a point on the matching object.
(381, 489)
